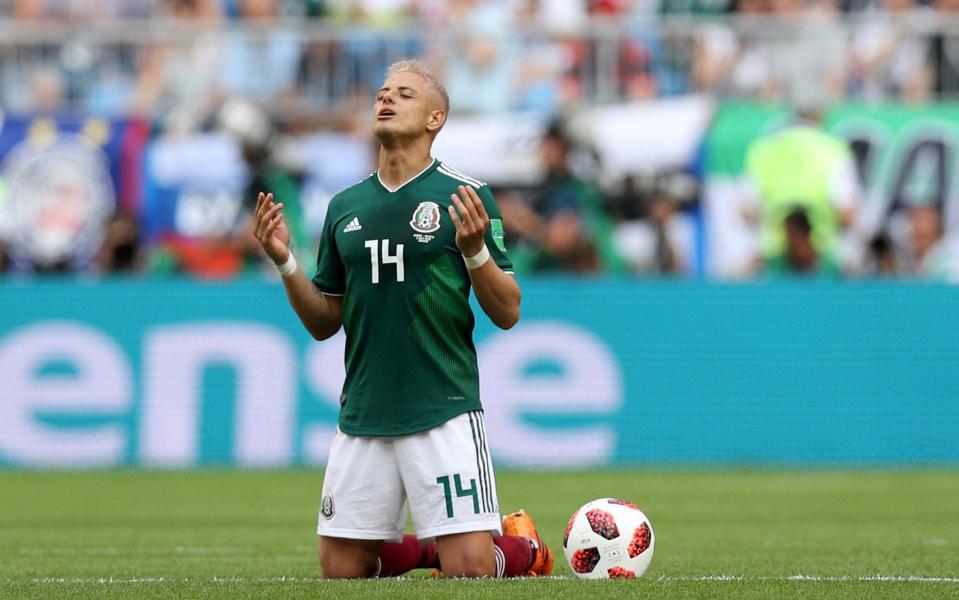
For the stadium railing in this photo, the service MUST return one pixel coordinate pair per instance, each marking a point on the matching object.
(99, 67)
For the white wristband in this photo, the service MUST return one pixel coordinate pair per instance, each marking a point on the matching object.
(287, 268)
(477, 261)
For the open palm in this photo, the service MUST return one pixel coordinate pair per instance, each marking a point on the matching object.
(270, 228)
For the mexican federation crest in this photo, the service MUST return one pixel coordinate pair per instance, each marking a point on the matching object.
(426, 220)
(327, 509)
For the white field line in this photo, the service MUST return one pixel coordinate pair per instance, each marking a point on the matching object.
(111, 551)
(662, 578)
(842, 578)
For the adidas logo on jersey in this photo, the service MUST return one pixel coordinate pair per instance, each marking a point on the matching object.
(353, 225)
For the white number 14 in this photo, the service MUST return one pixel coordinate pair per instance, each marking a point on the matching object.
(387, 259)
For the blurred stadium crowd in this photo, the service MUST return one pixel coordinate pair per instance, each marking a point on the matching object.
(262, 71)
(523, 54)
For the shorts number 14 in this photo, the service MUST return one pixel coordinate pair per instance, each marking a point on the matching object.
(460, 492)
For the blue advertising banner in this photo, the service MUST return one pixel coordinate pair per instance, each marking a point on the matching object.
(607, 372)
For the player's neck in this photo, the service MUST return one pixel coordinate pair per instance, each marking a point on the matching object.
(399, 165)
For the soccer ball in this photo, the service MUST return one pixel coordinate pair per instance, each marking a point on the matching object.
(609, 539)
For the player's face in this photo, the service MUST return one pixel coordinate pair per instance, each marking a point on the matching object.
(404, 108)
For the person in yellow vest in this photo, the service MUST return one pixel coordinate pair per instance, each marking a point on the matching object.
(801, 166)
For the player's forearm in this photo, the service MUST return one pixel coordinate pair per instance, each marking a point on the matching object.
(498, 294)
(320, 314)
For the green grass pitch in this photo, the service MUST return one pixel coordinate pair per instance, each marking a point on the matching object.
(719, 534)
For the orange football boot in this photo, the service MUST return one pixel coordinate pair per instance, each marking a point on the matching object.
(520, 523)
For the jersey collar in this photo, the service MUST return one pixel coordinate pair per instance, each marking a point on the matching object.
(422, 173)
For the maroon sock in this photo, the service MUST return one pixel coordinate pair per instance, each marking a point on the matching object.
(399, 558)
(513, 555)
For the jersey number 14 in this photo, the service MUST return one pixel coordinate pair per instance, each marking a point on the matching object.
(378, 257)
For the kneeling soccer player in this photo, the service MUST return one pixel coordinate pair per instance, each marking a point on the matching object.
(398, 255)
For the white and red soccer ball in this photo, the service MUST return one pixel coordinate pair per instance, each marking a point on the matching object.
(609, 539)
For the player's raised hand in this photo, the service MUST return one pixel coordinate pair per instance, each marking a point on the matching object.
(270, 228)
(470, 218)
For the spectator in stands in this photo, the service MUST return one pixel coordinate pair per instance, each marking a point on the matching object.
(176, 78)
(32, 10)
(80, 10)
(373, 13)
(47, 89)
(931, 255)
(32, 78)
(562, 226)
(798, 51)
(268, 169)
(557, 17)
(944, 54)
(801, 165)
(124, 9)
(810, 61)
(636, 67)
(260, 65)
(120, 251)
(362, 57)
(857, 6)
(881, 259)
(545, 58)
(654, 61)
(653, 233)
(889, 63)
(312, 8)
(481, 68)
(79, 71)
(800, 257)
(734, 62)
(703, 8)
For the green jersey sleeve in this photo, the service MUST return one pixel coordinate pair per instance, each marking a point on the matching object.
(330, 275)
(495, 233)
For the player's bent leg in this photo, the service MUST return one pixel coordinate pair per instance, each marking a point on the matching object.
(469, 554)
(342, 558)
(363, 504)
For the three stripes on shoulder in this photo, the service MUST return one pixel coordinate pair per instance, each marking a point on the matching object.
(455, 174)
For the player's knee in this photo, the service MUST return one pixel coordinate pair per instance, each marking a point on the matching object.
(465, 565)
(345, 567)
(467, 554)
(341, 570)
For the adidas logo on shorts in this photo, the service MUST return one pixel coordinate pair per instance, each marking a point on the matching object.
(353, 225)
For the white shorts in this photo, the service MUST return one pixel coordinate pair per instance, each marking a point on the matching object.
(444, 474)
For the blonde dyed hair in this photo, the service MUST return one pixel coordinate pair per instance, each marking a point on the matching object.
(413, 65)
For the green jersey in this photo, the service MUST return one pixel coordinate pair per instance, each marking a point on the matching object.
(410, 359)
